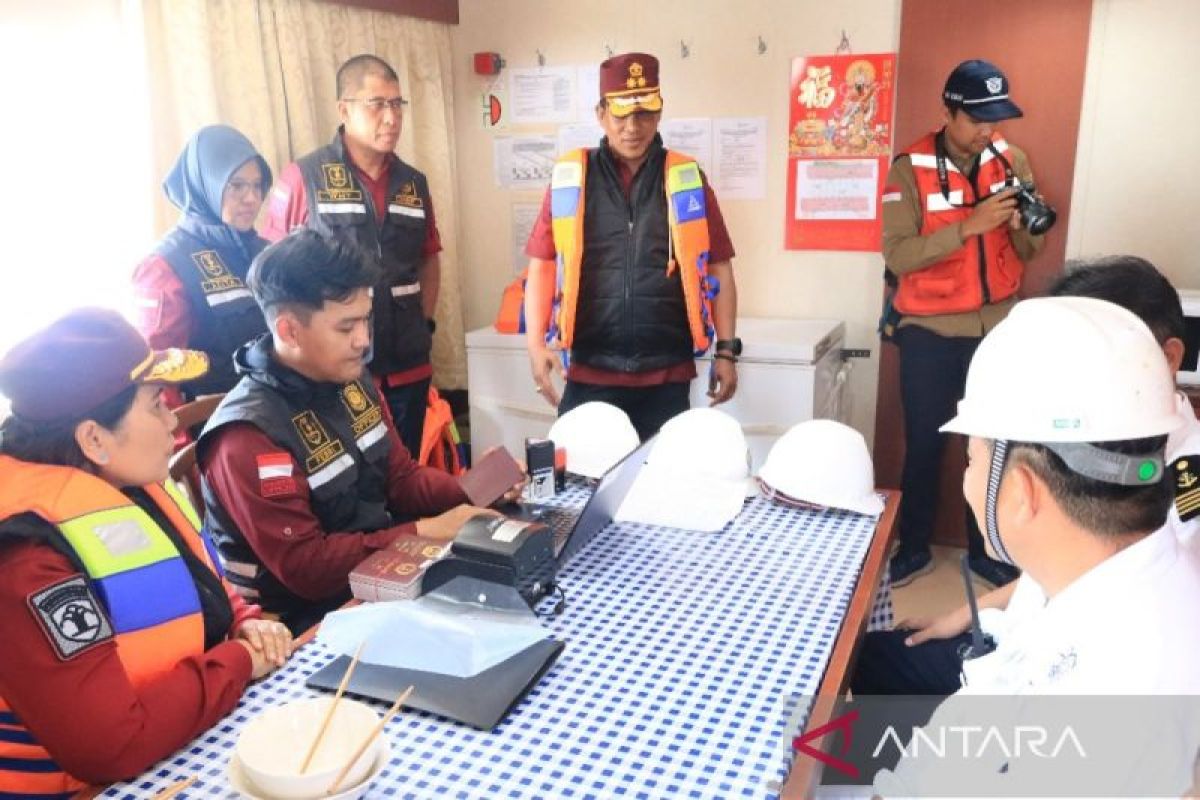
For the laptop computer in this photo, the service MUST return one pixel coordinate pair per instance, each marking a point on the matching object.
(572, 528)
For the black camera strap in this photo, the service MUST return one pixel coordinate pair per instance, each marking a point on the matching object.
(1010, 177)
(943, 173)
(940, 158)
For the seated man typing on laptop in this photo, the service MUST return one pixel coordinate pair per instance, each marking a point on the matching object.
(304, 475)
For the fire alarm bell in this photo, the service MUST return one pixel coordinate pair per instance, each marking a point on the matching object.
(488, 63)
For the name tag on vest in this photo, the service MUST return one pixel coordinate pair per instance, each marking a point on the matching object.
(938, 202)
(406, 290)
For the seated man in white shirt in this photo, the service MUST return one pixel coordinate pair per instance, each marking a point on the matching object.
(922, 655)
(1067, 408)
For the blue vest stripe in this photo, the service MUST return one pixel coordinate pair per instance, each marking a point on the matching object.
(29, 765)
(211, 549)
(24, 796)
(564, 201)
(16, 736)
(167, 583)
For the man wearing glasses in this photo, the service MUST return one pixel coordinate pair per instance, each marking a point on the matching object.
(357, 189)
(630, 272)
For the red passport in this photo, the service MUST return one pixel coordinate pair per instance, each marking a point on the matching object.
(395, 573)
(495, 474)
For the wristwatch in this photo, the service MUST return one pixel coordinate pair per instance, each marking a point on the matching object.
(733, 345)
(432, 323)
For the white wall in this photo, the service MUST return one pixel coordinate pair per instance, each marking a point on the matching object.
(723, 76)
(1135, 171)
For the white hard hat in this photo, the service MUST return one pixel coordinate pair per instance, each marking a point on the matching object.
(825, 463)
(1067, 369)
(696, 476)
(1068, 373)
(595, 437)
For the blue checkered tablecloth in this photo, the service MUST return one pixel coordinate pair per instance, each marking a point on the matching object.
(686, 657)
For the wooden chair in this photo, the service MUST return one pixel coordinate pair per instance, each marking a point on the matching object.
(183, 468)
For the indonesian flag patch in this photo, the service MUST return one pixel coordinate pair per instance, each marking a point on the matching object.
(892, 194)
(275, 474)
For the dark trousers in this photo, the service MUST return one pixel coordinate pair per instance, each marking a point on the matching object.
(408, 402)
(648, 407)
(887, 666)
(933, 375)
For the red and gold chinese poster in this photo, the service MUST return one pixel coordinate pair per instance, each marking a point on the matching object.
(839, 144)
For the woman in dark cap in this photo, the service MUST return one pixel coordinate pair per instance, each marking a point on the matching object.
(121, 640)
(191, 292)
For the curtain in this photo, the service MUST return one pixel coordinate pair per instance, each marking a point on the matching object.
(267, 68)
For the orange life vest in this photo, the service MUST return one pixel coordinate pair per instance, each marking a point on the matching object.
(511, 317)
(986, 269)
(152, 634)
(439, 438)
(689, 242)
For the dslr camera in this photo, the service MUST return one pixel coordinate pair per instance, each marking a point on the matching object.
(1036, 216)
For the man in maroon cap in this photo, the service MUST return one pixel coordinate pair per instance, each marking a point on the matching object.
(630, 274)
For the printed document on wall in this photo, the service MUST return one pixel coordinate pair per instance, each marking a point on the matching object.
(540, 95)
(523, 162)
(740, 161)
(692, 137)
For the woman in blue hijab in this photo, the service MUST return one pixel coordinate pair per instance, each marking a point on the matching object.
(191, 291)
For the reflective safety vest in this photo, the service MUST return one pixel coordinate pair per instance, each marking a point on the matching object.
(137, 574)
(689, 244)
(986, 269)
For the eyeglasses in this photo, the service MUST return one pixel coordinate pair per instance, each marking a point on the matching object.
(376, 105)
(239, 188)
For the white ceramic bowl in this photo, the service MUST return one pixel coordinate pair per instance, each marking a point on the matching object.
(242, 785)
(273, 745)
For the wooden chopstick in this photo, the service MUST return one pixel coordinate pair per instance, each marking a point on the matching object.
(362, 748)
(312, 750)
(175, 788)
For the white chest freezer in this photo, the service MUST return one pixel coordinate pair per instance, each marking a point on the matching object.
(789, 371)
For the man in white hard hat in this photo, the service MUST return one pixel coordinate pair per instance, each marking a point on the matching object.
(922, 655)
(1066, 475)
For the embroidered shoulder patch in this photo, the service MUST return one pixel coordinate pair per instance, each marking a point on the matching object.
(71, 617)
(1185, 472)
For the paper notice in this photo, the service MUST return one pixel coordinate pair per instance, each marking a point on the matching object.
(579, 134)
(692, 137)
(740, 169)
(587, 88)
(541, 94)
(523, 162)
(836, 188)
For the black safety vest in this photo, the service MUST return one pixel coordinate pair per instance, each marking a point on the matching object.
(224, 313)
(338, 436)
(631, 315)
(338, 205)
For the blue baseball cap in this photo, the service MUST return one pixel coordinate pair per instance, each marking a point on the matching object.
(980, 89)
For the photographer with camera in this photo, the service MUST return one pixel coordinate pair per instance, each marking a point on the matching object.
(960, 217)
